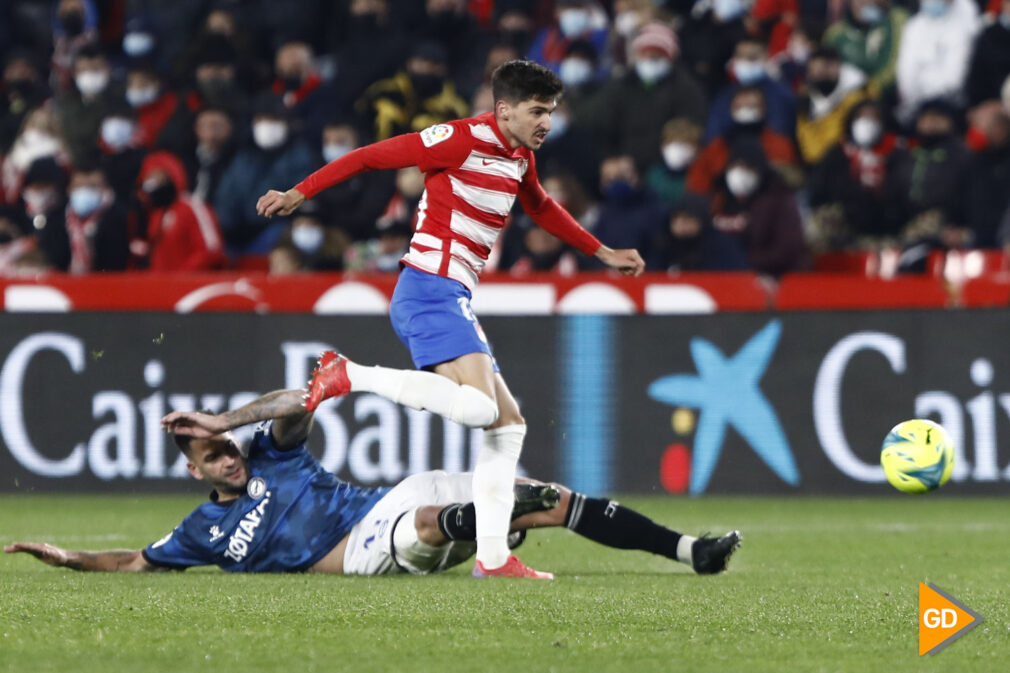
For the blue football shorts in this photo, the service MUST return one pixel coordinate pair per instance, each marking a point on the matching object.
(432, 316)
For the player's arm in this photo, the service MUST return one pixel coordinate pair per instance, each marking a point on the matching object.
(286, 408)
(115, 560)
(550, 216)
(440, 146)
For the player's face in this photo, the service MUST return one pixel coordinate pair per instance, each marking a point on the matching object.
(526, 124)
(218, 462)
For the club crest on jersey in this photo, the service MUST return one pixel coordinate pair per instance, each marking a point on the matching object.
(433, 135)
(256, 488)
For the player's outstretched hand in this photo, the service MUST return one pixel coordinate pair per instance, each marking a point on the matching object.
(279, 203)
(194, 424)
(626, 260)
(46, 553)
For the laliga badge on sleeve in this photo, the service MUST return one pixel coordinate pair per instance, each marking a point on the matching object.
(433, 135)
(256, 488)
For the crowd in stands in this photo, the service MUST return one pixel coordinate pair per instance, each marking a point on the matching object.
(709, 134)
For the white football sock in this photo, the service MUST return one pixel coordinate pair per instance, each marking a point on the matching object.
(493, 481)
(426, 390)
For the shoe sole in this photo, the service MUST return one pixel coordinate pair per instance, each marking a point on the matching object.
(534, 498)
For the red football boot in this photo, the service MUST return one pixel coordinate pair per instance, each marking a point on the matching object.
(329, 379)
(513, 568)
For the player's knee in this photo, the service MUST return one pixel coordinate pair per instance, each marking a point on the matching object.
(426, 526)
(473, 408)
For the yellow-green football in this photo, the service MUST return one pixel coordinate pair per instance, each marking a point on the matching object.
(917, 456)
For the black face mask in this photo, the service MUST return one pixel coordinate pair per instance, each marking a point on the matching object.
(363, 23)
(291, 82)
(217, 90)
(23, 88)
(163, 195)
(6, 237)
(426, 86)
(519, 39)
(932, 140)
(823, 86)
(73, 23)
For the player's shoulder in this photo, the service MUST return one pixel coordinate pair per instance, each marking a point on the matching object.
(469, 131)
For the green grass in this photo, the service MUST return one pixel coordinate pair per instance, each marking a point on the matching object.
(819, 585)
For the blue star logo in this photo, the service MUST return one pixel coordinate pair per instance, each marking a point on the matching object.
(726, 393)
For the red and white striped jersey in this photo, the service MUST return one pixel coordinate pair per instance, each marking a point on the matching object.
(472, 178)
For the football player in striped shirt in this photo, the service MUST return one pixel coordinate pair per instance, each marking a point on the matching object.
(474, 170)
(274, 508)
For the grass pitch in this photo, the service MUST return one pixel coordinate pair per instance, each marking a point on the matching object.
(819, 585)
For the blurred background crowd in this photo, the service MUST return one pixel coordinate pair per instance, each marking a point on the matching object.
(709, 134)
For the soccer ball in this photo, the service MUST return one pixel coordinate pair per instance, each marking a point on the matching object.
(917, 456)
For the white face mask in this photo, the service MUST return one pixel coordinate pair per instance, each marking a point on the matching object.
(270, 134)
(138, 44)
(92, 82)
(333, 151)
(626, 23)
(746, 115)
(37, 138)
(725, 10)
(678, 155)
(573, 22)
(575, 71)
(307, 237)
(85, 200)
(865, 131)
(559, 124)
(741, 181)
(138, 97)
(748, 72)
(652, 70)
(117, 132)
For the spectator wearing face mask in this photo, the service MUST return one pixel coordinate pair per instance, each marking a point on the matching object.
(628, 113)
(691, 243)
(988, 183)
(214, 130)
(935, 182)
(990, 61)
(95, 236)
(22, 89)
(16, 240)
(155, 104)
(121, 151)
(275, 158)
(80, 110)
(935, 52)
(749, 68)
(415, 98)
(450, 24)
(182, 232)
(574, 20)
(140, 41)
(356, 203)
(308, 99)
(710, 34)
(854, 191)
(39, 138)
(832, 89)
(368, 45)
(44, 197)
(569, 148)
(753, 205)
(868, 37)
(74, 27)
(747, 112)
(630, 214)
(313, 245)
(681, 140)
(578, 72)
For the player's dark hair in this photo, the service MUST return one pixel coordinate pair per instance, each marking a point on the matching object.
(519, 80)
(182, 442)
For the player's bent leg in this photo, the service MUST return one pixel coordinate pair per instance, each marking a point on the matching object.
(465, 404)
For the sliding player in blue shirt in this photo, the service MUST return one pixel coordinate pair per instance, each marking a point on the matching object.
(275, 509)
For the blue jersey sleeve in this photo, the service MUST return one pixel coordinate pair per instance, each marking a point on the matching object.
(182, 548)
